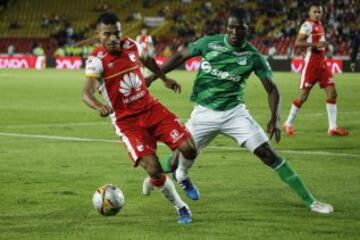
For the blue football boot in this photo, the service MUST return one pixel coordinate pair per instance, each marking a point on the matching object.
(184, 215)
(190, 189)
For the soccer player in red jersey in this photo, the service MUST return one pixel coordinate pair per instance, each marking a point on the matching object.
(312, 37)
(139, 119)
(147, 45)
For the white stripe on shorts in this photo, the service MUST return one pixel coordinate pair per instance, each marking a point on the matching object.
(303, 74)
(125, 140)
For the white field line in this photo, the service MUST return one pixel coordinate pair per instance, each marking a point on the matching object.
(49, 125)
(84, 124)
(79, 139)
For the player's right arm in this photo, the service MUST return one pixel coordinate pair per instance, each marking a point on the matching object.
(194, 49)
(93, 71)
(173, 62)
(88, 97)
(302, 36)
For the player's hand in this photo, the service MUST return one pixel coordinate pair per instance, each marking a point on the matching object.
(273, 128)
(104, 110)
(149, 80)
(352, 66)
(173, 85)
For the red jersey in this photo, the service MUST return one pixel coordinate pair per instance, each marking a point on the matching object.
(315, 33)
(146, 43)
(120, 80)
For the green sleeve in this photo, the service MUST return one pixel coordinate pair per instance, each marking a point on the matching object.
(198, 47)
(262, 68)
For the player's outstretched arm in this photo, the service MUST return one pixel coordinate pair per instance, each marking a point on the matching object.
(151, 64)
(173, 62)
(88, 97)
(273, 127)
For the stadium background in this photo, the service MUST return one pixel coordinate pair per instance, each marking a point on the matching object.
(57, 26)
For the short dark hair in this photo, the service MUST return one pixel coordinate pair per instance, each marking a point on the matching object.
(315, 4)
(240, 14)
(107, 18)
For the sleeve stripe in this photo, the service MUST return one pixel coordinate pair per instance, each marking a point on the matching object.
(92, 75)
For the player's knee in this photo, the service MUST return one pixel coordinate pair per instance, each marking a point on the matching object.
(151, 166)
(189, 153)
(188, 149)
(266, 154)
(334, 95)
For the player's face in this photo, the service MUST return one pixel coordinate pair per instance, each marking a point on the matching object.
(315, 13)
(236, 31)
(109, 36)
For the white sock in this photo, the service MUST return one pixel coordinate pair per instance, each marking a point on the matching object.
(332, 112)
(170, 193)
(292, 115)
(182, 170)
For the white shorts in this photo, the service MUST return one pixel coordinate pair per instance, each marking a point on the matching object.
(205, 124)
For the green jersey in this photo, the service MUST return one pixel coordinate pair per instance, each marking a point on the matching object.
(221, 80)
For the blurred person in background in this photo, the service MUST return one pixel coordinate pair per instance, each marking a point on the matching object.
(37, 50)
(354, 50)
(11, 50)
(146, 43)
(312, 37)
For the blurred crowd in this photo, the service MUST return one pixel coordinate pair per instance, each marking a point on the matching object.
(270, 22)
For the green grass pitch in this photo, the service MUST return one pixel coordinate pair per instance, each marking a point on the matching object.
(54, 153)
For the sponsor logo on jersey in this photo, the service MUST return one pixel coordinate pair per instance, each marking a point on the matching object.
(217, 47)
(132, 56)
(126, 45)
(242, 61)
(100, 54)
(207, 68)
(211, 55)
(110, 65)
(131, 83)
(247, 53)
(140, 147)
(175, 135)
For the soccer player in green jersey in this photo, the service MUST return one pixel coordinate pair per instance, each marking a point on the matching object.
(227, 62)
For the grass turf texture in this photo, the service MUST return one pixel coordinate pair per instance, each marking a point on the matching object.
(47, 184)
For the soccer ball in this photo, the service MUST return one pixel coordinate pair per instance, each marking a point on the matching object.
(108, 200)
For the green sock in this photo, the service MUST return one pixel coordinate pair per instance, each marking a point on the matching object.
(291, 178)
(165, 163)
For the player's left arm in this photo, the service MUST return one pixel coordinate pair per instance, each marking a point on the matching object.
(273, 127)
(263, 70)
(151, 64)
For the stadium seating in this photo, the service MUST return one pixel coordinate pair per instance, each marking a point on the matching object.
(180, 17)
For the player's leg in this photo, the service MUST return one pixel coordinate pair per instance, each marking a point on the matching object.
(242, 127)
(202, 131)
(186, 157)
(294, 110)
(331, 109)
(308, 78)
(158, 179)
(174, 134)
(288, 175)
(141, 146)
